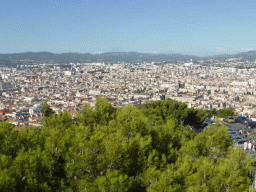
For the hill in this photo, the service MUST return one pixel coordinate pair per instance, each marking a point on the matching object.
(131, 57)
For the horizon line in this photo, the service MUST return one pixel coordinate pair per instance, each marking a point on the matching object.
(155, 53)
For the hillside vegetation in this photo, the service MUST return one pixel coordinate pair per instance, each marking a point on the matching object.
(149, 147)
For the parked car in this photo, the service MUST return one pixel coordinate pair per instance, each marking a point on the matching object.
(240, 119)
(239, 143)
(233, 133)
(206, 122)
(253, 119)
(229, 119)
(230, 129)
(246, 121)
(251, 124)
(236, 137)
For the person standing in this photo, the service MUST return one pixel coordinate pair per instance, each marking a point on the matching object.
(249, 146)
(248, 134)
(245, 145)
(244, 133)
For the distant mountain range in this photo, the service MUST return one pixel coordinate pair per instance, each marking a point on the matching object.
(117, 56)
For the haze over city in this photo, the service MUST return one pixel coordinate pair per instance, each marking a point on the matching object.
(197, 27)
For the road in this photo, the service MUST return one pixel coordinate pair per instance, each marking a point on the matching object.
(238, 126)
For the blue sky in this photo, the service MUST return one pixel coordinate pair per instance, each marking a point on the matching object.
(195, 27)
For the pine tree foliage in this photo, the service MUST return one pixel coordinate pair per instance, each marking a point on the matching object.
(45, 109)
(133, 148)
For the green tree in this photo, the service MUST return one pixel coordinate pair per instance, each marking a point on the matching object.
(122, 149)
(87, 116)
(103, 111)
(224, 112)
(45, 109)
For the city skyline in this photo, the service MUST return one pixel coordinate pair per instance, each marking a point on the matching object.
(199, 28)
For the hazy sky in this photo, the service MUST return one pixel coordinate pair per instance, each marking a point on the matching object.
(196, 27)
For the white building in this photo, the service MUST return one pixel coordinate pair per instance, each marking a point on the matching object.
(67, 73)
(240, 83)
(29, 99)
(252, 82)
(190, 64)
(233, 70)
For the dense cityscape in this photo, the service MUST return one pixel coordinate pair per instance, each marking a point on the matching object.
(128, 95)
(66, 87)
